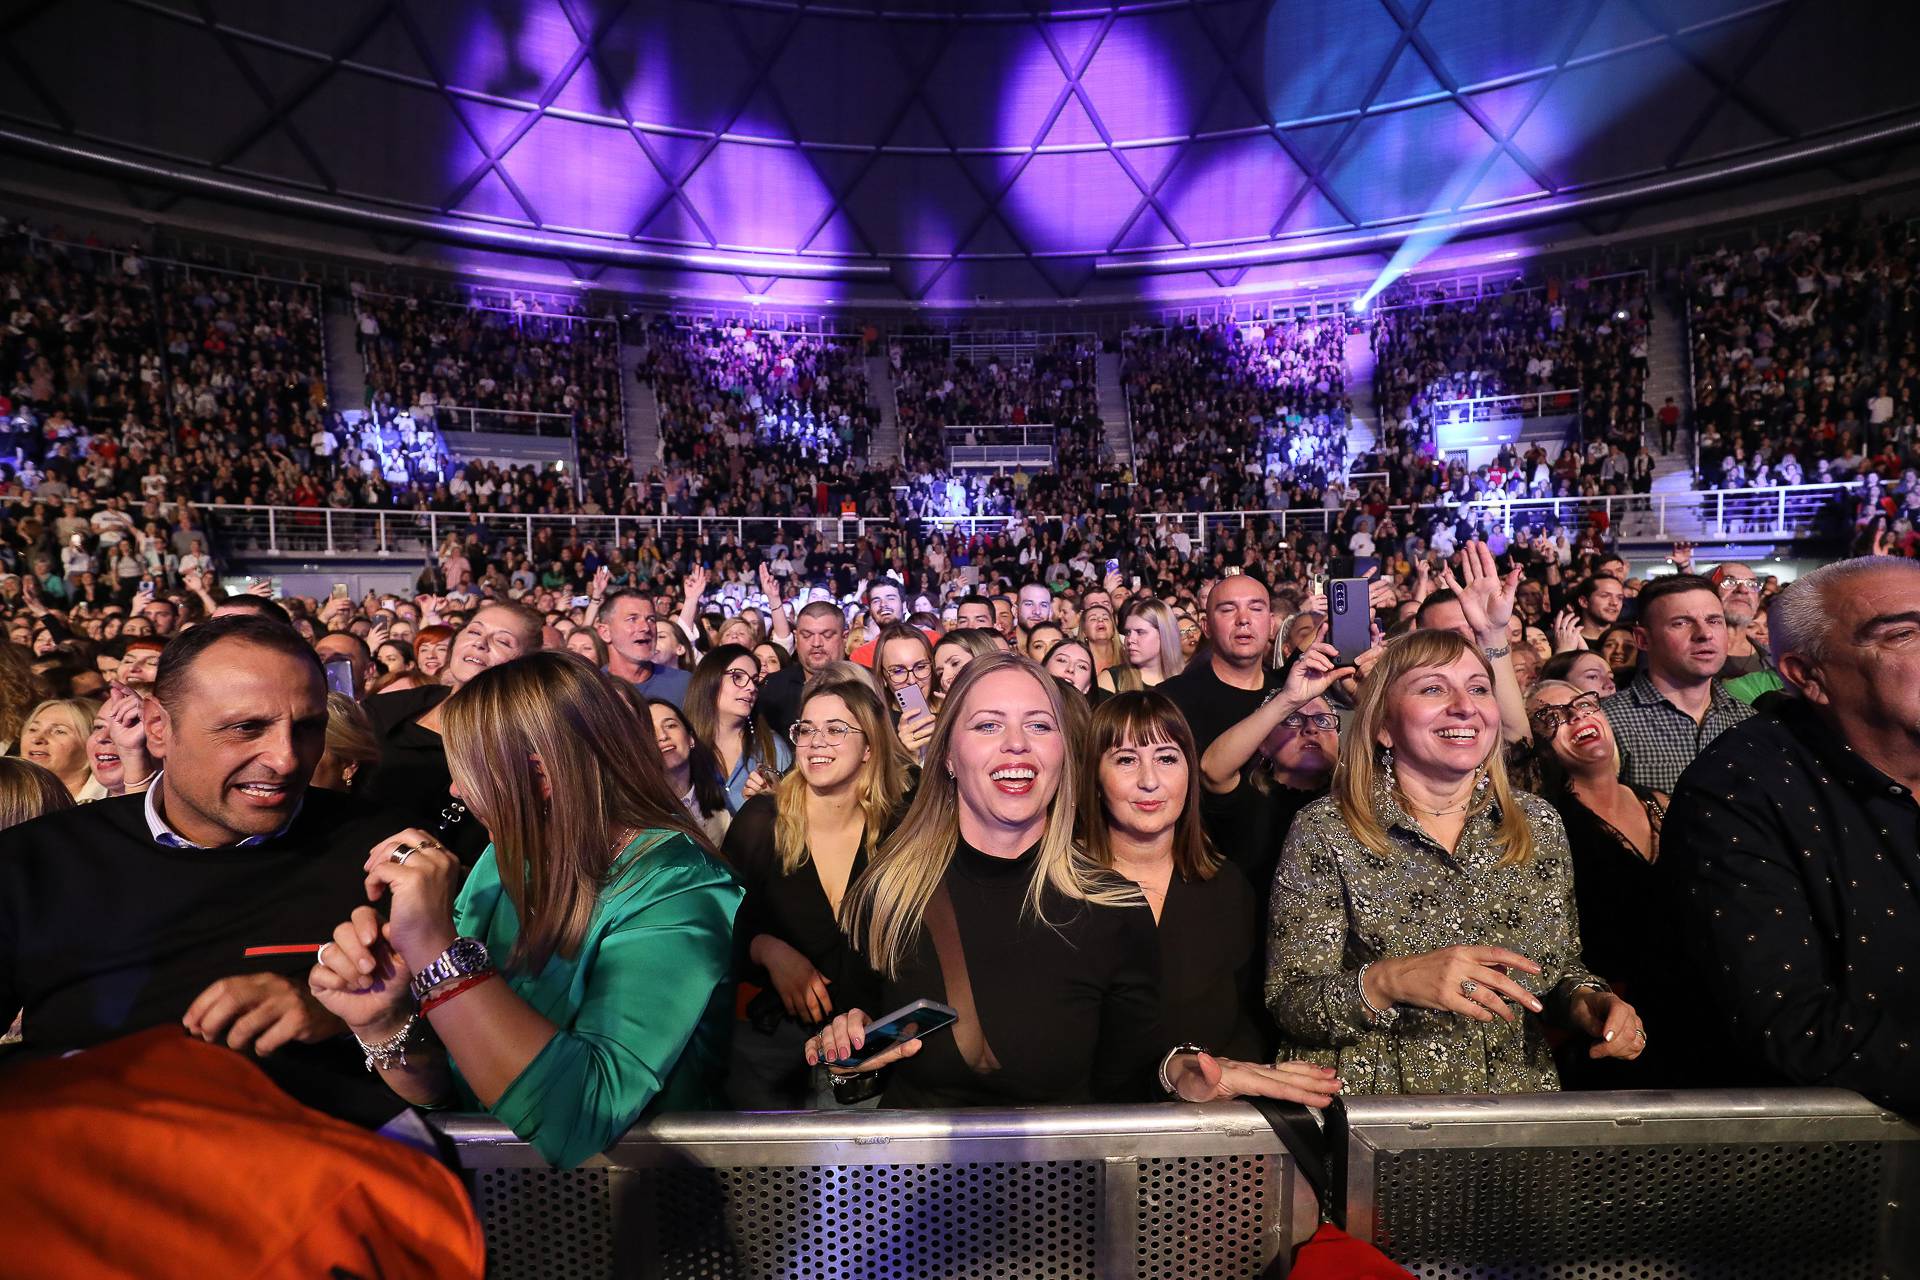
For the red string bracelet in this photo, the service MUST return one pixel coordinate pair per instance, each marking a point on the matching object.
(438, 998)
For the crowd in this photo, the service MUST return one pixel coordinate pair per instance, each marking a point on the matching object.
(1141, 826)
(1247, 417)
(1585, 339)
(1803, 356)
(1052, 384)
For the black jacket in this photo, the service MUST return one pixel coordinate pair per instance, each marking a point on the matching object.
(1790, 909)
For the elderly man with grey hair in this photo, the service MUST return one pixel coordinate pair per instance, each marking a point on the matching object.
(1790, 858)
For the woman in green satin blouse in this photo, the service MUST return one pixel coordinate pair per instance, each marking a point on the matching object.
(579, 978)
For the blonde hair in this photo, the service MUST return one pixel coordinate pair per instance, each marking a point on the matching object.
(883, 778)
(350, 732)
(1357, 770)
(556, 856)
(1160, 614)
(885, 908)
(27, 791)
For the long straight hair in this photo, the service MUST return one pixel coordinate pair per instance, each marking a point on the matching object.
(556, 855)
(1357, 770)
(882, 780)
(1160, 614)
(703, 706)
(1145, 719)
(885, 908)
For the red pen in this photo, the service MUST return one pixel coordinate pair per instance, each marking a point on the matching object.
(284, 949)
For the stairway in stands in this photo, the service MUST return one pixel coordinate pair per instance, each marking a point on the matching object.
(643, 412)
(1667, 376)
(346, 372)
(1113, 407)
(1361, 433)
(884, 450)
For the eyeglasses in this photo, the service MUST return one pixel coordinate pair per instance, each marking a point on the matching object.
(1547, 720)
(1734, 584)
(918, 671)
(742, 679)
(1319, 720)
(834, 731)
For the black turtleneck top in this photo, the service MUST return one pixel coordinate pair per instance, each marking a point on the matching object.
(1070, 1006)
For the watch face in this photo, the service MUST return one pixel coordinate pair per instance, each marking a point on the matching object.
(467, 954)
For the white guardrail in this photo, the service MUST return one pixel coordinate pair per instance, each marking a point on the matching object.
(1706, 515)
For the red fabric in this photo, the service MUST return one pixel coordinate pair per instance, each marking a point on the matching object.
(168, 1158)
(1332, 1254)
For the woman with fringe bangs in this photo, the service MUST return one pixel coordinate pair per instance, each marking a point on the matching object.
(797, 850)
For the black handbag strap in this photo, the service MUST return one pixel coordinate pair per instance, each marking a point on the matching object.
(1305, 1141)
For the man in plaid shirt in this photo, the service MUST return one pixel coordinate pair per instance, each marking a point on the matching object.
(1676, 706)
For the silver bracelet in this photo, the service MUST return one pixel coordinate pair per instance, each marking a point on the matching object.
(391, 1050)
(1381, 1017)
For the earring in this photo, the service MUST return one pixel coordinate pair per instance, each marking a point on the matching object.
(1480, 787)
(1386, 768)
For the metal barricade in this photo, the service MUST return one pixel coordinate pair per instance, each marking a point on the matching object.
(1786, 1184)
(1159, 1193)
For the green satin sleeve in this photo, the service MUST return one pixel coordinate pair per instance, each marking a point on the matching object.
(642, 995)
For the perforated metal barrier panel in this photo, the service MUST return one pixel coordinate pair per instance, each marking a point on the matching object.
(1163, 1193)
(1752, 1185)
(1818, 1185)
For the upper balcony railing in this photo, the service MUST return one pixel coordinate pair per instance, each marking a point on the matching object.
(1710, 515)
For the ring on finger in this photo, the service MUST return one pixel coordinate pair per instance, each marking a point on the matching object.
(1468, 986)
(401, 852)
(320, 956)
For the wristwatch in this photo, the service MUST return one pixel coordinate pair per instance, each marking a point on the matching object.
(466, 955)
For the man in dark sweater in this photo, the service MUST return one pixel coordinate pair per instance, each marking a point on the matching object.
(200, 903)
(1229, 679)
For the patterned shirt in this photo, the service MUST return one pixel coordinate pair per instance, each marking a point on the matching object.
(1338, 905)
(1660, 740)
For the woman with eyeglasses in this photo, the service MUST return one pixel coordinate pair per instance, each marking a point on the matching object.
(1291, 743)
(1613, 830)
(904, 658)
(796, 849)
(719, 704)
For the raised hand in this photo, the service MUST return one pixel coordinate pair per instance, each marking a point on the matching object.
(1682, 557)
(1566, 632)
(602, 579)
(696, 584)
(1316, 670)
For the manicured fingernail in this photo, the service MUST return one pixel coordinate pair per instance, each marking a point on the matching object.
(366, 966)
(1609, 1037)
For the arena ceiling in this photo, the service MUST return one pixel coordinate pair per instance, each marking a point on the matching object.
(946, 151)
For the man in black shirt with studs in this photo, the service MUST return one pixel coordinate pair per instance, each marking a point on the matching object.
(1791, 855)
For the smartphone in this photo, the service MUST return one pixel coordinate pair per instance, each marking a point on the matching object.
(911, 699)
(1349, 617)
(340, 590)
(916, 1021)
(146, 586)
(581, 602)
(1113, 566)
(340, 675)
